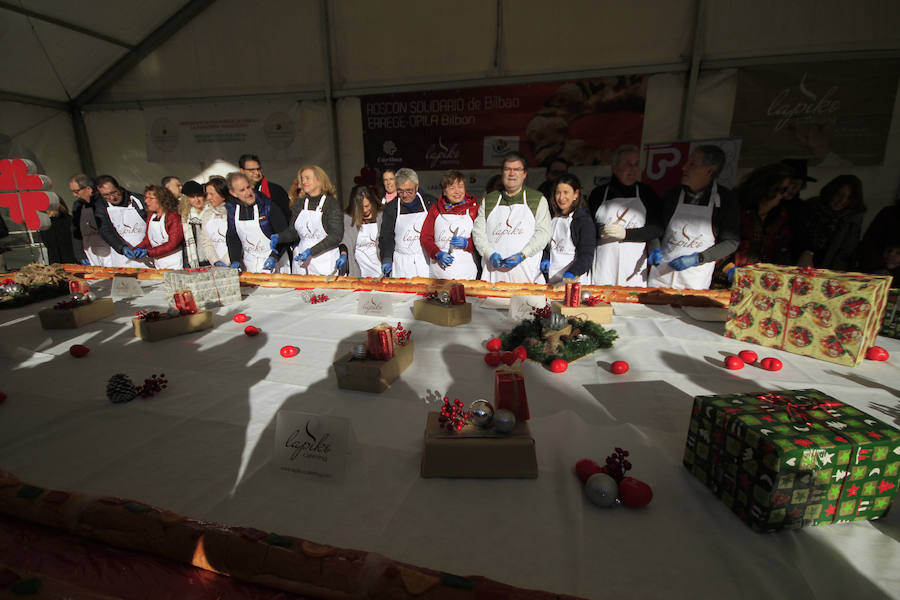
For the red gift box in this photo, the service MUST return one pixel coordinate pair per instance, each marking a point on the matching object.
(78, 286)
(509, 393)
(457, 293)
(381, 342)
(573, 294)
(184, 302)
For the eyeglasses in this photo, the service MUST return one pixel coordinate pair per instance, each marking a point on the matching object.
(110, 195)
(406, 193)
(513, 170)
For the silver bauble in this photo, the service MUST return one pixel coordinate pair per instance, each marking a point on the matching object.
(90, 296)
(307, 296)
(482, 412)
(504, 420)
(555, 321)
(173, 312)
(359, 352)
(16, 288)
(585, 294)
(78, 297)
(443, 297)
(601, 489)
(4, 289)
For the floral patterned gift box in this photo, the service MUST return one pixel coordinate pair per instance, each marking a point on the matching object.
(831, 315)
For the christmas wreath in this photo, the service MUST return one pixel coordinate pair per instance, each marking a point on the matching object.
(548, 336)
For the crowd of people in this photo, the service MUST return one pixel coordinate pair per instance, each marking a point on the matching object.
(622, 233)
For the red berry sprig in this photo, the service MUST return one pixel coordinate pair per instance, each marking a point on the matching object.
(432, 297)
(541, 313)
(592, 300)
(318, 298)
(403, 335)
(70, 303)
(454, 416)
(617, 464)
(153, 385)
(148, 315)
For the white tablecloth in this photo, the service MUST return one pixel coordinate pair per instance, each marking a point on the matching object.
(204, 446)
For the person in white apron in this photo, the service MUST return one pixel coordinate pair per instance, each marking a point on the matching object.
(252, 223)
(123, 221)
(88, 245)
(627, 216)
(316, 226)
(362, 220)
(389, 184)
(447, 231)
(399, 241)
(702, 225)
(190, 207)
(214, 219)
(512, 227)
(573, 235)
(164, 240)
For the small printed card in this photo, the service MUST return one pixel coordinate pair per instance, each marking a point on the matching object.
(126, 287)
(375, 304)
(312, 444)
(520, 307)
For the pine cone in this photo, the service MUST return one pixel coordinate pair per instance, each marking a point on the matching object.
(120, 389)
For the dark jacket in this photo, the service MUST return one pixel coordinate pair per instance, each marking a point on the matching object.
(277, 195)
(726, 220)
(84, 221)
(107, 230)
(832, 237)
(584, 237)
(270, 221)
(386, 240)
(332, 222)
(652, 228)
(882, 235)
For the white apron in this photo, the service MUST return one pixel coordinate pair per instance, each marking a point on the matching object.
(255, 243)
(366, 250)
(463, 266)
(311, 231)
(97, 251)
(216, 229)
(690, 230)
(156, 233)
(621, 263)
(129, 224)
(409, 257)
(508, 230)
(562, 250)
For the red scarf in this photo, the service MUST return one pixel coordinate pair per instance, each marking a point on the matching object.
(264, 188)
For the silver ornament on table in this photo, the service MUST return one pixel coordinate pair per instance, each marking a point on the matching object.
(443, 297)
(307, 296)
(482, 412)
(78, 297)
(359, 352)
(89, 296)
(6, 289)
(15, 288)
(555, 321)
(504, 420)
(601, 489)
(585, 294)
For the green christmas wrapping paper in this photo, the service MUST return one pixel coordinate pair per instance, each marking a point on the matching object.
(890, 325)
(791, 459)
(831, 315)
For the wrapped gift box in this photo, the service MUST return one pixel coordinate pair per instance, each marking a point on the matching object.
(152, 331)
(211, 287)
(71, 318)
(476, 452)
(831, 315)
(601, 313)
(792, 459)
(372, 375)
(509, 392)
(445, 315)
(890, 325)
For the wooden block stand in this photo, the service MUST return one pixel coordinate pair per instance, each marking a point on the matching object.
(601, 314)
(72, 318)
(152, 331)
(369, 375)
(449, 315)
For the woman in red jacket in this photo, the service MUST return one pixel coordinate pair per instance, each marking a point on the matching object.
(447, 231)
(164, 241)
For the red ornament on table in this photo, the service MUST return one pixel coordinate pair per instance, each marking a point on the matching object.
(457, 293)
(634, 492)
(573, 294)
(494, 345)
(289, 351)
(79, 350)
(558, 365)
(251, 331)
(734, 363)
(508, 358)
(403, 335)
(492, 358)
(619, 367)
(239, 318)
(748, 356)
(877, 353)
(520, 352)
(317, 299)
(771, 364)
(586, 467)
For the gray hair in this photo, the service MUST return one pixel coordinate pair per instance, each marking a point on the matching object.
(403, 175)
(624, 149)
(83, 181)
(234, 175)
(713, 156)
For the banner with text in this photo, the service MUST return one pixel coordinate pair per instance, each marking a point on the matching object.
(211, 131)
(583, 121)
(835, 114)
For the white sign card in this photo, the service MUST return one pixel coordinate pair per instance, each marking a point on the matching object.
(372, 303)
(312, 444)
(125, 287)
(520, 307)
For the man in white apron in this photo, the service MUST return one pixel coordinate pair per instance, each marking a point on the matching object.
(401, 249)
(89, 246)
(702, 225)
(627, 215)
(512, 227)
(251, 223)
(447, 232)
(123, 218)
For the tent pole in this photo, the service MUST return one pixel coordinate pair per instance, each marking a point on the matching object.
(82, 141)
(329, 99)
(696, 53)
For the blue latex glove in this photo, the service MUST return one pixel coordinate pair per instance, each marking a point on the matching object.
(655, 257)
(496, 260)
(386, 268)
(304, 256)
(269, 264)
(730, 274)
(128, 252)
(459, 242)
(685, 262)
(139, 253)
(568, 275)
(273, 242)
(513, 260)
(219, 263)
(545, 266)
(445, 259)
(84, 262)
(235, 265)
(340, 262)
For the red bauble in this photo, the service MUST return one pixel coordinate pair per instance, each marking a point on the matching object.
(771, 364)
(748, 356)
(2, 397)
(508, 358)
(734, 363)
(289, 351)
(586, 467)
(634, 492)
(492, 358)
(558, 365)
(240, 318)
(520, 352)
(494, 345)
(619, 367)
(877, 353)
(251, 330)
(79, 350)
